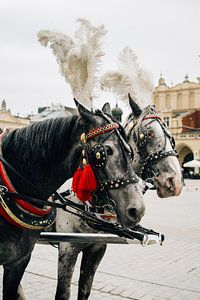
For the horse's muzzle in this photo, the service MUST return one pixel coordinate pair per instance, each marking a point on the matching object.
(168, 187)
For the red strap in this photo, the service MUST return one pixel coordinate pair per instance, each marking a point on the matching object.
(28, 207)
(101, 130)
(151, 117)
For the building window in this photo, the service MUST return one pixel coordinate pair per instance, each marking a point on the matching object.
(168, 104)
(179, 102)
(166, 120)
(191, 100)
(156, 102)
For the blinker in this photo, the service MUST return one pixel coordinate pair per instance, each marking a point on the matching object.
(99, 156)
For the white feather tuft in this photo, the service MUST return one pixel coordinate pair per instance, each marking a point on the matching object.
(130, 78)
(79, 58)
(115, 82)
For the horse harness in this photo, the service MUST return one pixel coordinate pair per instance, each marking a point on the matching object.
(144, 136)
(22, 211)
(98, 155)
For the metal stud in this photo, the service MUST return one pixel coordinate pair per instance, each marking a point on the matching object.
(84, 162)
(98, 155)
(142, 135)
(83, 138)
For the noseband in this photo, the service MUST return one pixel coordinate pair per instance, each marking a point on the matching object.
(144, 136)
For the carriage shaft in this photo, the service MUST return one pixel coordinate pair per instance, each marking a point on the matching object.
(52, 237)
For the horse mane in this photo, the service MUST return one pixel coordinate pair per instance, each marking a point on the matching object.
(42, 140)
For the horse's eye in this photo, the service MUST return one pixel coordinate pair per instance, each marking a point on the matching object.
(151, 134)
(109, 150)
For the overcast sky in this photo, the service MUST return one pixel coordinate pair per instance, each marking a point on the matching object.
(163, 33)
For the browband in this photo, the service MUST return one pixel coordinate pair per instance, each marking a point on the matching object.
(101, 130)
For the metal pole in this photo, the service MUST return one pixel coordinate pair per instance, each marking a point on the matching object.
(55, 237)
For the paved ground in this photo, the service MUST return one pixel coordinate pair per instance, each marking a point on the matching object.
(133, 272)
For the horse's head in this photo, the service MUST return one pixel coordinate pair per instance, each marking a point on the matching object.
(156, 155)
(110, 156)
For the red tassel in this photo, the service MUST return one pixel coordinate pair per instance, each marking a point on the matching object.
(76, 179)
(87, 184)
(84, 195)
(87, 181)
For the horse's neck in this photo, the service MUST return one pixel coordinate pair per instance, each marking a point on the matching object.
(47, 165)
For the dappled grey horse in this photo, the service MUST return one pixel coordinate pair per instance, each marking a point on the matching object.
(36, 161)
(155, 160)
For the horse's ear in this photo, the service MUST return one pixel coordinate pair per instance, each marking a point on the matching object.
(83, 111)
(106, 108)
(134, 106)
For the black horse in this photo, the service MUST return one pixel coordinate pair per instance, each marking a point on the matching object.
(38, 159)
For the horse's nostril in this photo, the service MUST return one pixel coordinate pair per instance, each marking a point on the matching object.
(170, 183)
(133, 213)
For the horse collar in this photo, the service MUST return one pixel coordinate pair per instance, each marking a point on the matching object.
(17, 211)
(20, 213)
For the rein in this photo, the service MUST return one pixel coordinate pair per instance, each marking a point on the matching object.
(92, 215)
(94, 220)
(83, 211)
(23, 213)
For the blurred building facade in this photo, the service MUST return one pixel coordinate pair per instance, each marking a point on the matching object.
(7, 120)
(52, 111)
(10, 121)
(179, 107)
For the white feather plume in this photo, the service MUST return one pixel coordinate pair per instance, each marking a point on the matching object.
(78, 58)
(130, 78)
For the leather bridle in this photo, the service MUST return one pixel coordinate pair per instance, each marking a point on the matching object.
(98, 157)
(141, 137)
